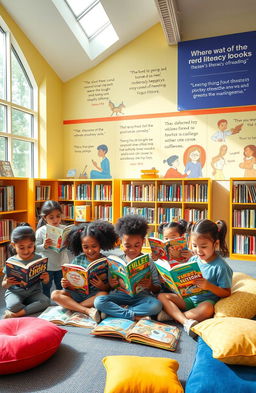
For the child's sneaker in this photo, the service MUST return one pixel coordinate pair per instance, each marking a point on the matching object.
(103, 315)
(188, 324)
(162, 316)
(94, 314)
(7, 314)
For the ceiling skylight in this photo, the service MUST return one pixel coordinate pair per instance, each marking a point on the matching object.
(90, 24)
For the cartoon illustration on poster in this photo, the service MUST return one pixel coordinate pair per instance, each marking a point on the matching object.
(194, 160)
(249, 162)
(218, 163)
(172, 172)
(223, 131)
(102, 172)
(116, 109)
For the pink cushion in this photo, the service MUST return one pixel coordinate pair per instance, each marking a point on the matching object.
(26, 342)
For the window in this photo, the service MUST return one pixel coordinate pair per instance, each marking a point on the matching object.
(18, 108)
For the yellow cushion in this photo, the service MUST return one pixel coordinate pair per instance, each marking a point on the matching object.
(242, 302)
(135, 374)
(232, 340)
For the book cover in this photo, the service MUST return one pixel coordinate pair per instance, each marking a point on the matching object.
(144, 331)
(169, 250)
(28, 274)
(62, 316)
(79, 277)
(180, 278)
(83, 213)
(58, 235)
(129, 275)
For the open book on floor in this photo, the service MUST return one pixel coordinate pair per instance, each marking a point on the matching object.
(79, 277)
(58, 235)
(129, 274)
(28, 274)
(144, 331)
(180, 278)
(62, 316)
(169, 250)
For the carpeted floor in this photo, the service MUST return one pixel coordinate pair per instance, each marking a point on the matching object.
(77, 365)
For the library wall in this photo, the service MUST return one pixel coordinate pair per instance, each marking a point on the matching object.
(129, 104)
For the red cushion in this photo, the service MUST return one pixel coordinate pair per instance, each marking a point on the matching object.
(26, 342)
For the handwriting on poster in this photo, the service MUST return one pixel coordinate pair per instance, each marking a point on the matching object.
(98, 90)
(148, 80)
(179, 132)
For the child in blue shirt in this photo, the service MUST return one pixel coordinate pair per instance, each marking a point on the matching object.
(132, 230)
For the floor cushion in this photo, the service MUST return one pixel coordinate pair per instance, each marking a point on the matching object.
(26, 342)
(209, 375)
(138, 374)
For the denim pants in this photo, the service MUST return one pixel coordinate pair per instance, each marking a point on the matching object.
(55, 276)
(32, 300)
(140, 304)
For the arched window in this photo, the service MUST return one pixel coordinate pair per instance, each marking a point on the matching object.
(18, 108)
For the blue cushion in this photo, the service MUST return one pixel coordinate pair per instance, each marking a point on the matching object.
(209, 375)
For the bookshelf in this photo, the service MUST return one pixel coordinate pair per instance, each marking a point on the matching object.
(243, 218)
(13, 209)
(161, 200)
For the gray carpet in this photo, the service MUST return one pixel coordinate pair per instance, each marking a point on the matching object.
(77, 368)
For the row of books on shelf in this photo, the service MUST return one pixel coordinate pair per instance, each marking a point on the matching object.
(3, 256)
(103, 192)
(244, 193)
(245, 218)
(43, 193)
(140, 192)
(103, 212)
(7, 198)
(196, 192)
(147, 212)
(168, 214)
(6, 228)
(65, 191)
(169, 193)
(84, 192)
(68, 210)
(244, 244)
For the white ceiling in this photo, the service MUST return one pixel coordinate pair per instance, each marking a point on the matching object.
(44, 26)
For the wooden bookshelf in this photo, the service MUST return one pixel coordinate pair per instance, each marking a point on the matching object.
(13, 209)
(243, 218)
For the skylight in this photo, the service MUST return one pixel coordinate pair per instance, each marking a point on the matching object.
(89, 22)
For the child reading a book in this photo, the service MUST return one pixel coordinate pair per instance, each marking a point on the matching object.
(132, 230)
(208, 244)
(20, 299)
(51, 214)
(86, 242)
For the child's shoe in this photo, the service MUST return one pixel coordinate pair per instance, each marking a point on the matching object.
(162, 316)
(94, 314)
(103, 315)
(188, 324)
(8, 314)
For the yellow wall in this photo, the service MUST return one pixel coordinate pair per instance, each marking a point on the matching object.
(50, 104)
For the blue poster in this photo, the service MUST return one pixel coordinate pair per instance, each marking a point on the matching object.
(217, 72)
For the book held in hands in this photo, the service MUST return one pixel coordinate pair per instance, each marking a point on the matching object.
(129, 274)
(144, 331)
(169, 250)
(58, 235)
(62, 316)
(79, 277)
(180, 278)
(28, 274)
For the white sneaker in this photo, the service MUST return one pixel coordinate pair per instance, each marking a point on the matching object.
(188, 324)
(162, 316)
(7, 314)
(103, 315)
(94, 314)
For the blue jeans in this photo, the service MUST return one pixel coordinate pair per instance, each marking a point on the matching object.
(53, 275)
(139, 304)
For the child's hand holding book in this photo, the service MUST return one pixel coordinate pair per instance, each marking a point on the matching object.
(98, 283)
(45, 277)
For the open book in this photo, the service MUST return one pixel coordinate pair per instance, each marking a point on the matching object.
(62, 316)
(129, 274)
(28, 274)
(79, 277)
(180, 278)
(144, 331)
(169, 250)
(58, 236)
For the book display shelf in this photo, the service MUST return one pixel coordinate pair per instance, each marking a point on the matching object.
(243, 218)
(13, 209)
(165, 200)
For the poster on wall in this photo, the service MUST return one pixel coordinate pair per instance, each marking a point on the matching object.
(217, 72)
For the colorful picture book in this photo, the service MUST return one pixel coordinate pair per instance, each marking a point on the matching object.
(169, 250)
(83, 213)
(180, 278)
(62, 316)
(28, 274)
(79, 277)
(58, 235)
(144, 331)
(129, 275)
